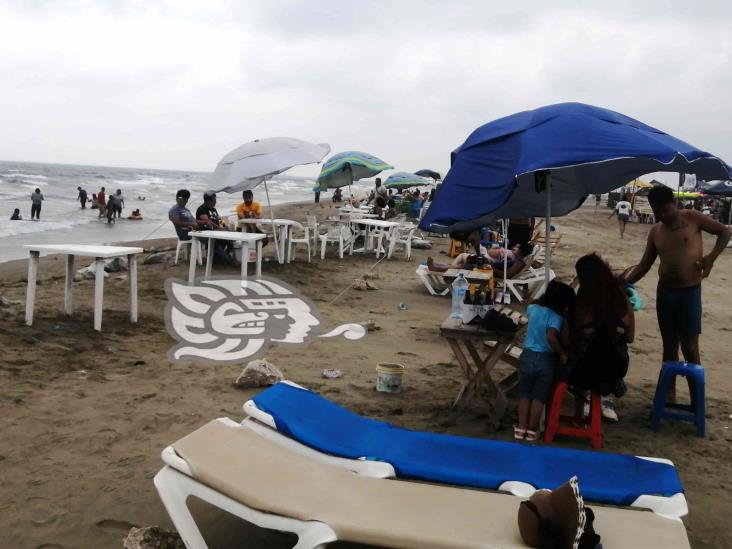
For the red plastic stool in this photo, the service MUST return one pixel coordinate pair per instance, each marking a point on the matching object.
(591, 427)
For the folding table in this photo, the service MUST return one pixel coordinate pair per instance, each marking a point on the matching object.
(245, 238)
(99, 253)
(476, 368)
(284, 226)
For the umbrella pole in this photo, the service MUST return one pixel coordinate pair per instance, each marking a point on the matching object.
(547, 229)
(350, 172)
(274, 227)
(506, 243)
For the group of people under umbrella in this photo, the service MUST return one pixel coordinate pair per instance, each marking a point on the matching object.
(539, 163)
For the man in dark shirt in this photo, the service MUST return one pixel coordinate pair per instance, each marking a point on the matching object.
(82, 197)
(181, 217)
(208, 218)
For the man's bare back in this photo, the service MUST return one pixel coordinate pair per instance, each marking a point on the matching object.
(680, 250)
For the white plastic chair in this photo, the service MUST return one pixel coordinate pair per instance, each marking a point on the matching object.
(402, 236)
(305, 239)
(191, 242)
(337, 233)
(312, 224)
(377, 235)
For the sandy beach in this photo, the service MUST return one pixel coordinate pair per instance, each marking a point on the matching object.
(84, 415)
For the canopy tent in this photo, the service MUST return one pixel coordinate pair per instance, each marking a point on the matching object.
(547, 161)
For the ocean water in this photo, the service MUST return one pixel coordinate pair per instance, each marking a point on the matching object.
(152, 191)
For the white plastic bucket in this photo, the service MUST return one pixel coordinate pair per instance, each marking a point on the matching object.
(389, 377)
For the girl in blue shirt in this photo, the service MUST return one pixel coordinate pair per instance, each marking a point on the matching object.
(538, 359)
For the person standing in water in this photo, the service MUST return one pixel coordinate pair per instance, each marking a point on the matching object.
(102, 200)
(676, 238)
(36, 202)
(82, 197)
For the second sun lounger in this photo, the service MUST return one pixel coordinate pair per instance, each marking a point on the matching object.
(315, 422)
(235, 469)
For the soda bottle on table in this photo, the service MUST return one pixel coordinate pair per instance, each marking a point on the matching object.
(459, 288)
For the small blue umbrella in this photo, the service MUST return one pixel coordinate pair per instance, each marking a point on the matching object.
(549, 160)
(344, 168)
(405, 180)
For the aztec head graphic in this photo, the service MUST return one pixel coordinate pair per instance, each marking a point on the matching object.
(230, 320)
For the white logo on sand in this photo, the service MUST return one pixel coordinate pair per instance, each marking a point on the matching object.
(230, 320)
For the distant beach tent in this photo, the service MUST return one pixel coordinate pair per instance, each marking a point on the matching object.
(716, 188)
(405, 180)
(429, 173)
(253, 163)
(342, 169)
(547, 161)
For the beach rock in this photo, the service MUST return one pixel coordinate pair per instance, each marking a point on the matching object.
(152, 537)
(258, 373)
(159, 257)
(115, 264)
(361, 284)
(88, 273)
(5, 302)
(371, 326)
(421, 244)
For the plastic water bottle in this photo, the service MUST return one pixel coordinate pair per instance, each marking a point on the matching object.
(459, 287)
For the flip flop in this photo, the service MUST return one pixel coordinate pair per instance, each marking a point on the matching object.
(532, 436)
(518, 433)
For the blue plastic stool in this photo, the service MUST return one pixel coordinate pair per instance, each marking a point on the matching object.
(694, 375)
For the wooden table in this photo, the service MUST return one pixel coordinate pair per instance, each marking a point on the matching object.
(99, 253)
(245, 238)
(477, 368)
(284, 226)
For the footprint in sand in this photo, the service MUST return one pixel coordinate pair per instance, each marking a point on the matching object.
(113, 525)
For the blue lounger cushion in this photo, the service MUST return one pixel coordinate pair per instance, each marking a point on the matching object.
(482, 463)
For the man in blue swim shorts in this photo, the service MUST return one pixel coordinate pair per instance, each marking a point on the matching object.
(677, 240)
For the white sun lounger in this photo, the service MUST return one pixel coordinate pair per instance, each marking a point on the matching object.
(235, 469)
(265, 425)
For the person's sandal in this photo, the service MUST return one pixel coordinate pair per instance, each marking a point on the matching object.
(532, 436)
(518, 433)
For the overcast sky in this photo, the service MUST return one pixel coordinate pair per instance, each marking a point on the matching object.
(176, 85)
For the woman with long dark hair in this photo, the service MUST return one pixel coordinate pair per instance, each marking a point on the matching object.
(602, 326)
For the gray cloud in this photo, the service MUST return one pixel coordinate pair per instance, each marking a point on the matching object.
(175, 85)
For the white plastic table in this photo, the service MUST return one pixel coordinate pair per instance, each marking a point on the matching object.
(284, 226)
(245, 238)
(99, 253)
(370, 224)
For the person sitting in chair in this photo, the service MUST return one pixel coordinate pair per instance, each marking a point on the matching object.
(250, 209)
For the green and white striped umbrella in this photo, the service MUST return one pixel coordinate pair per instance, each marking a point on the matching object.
(344, 168)
(404, 180)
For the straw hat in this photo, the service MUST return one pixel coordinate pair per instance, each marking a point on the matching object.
(553, 518)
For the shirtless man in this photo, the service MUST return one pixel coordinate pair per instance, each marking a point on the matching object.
(676, 238)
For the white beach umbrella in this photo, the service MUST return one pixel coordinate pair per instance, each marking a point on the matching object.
(253, 163)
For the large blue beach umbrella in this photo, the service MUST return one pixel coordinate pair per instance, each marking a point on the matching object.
(342, 169)
(405, 180)
(547, 161)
